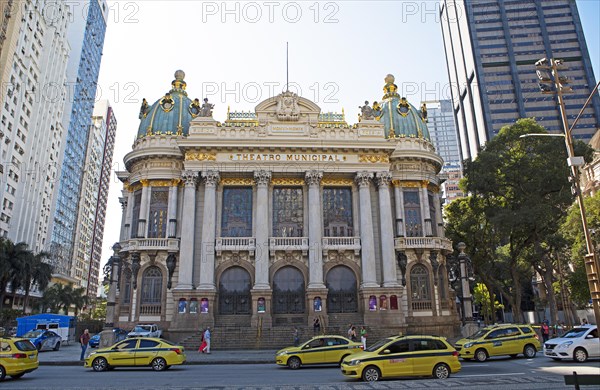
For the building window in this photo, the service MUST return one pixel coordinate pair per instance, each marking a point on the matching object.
(126, 286)
(342, 296)
(288, 212)
(151, 291)
(288, 291)
(412, 214)
(159, 200)
(432, 200)
(234, 292)
(337, 212)
(236, 220)
(419, 288)
(137, 200)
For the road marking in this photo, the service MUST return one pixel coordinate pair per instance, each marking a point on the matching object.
(512, 373)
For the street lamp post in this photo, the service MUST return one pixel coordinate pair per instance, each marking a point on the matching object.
(461, 270)
(552, 83)
(107, 336)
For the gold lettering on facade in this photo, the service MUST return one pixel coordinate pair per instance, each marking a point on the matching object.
(308, 157)
(197, 156)
(374, 158)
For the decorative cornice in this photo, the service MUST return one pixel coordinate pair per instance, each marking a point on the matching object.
(175, 182)
(145, 182)
(262, 178)
(332, 181)
(410, 184)
(373, 158)
(134, 187)
(161, 183)
(397, 183)
(237, 181)
(363, 179)
(190, 178)
(383, 179)
(211, 178)
(424, 183)
(197, 156)
(313, 177)
(287, 181)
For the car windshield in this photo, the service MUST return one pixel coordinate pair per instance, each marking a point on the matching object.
(378, 345)
(575, 333)
(141, 328)
(478, 334)
(32, 334)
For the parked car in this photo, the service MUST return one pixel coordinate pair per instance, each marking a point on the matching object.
(318, 350)
(403, 356)
(120, 334)
(579, 344)
(140, 351)
(44, 339)
(145, 330)
(499, 340)
(18, 356)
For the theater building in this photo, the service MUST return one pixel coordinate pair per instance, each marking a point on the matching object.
(279, 216)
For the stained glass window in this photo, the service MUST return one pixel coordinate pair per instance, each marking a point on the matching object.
(288, 212)
(159, 201)
(432, 212)
(412, 214)
(236, 219)
(337, 212)
(137, 201)
(151, 286)
(419, 283)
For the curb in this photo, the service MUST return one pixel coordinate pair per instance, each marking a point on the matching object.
(187, 363)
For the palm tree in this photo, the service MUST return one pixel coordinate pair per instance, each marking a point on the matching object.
(36, 272)
(13, 258)
(62, 297)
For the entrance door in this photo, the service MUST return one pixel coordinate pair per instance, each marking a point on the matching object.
(288, 291)
(234, 292)
(343, 295)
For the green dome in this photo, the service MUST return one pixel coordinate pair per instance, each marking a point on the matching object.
(170, 114)
(400, 118)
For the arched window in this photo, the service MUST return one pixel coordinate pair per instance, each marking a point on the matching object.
(157, 224)
(288, 291)
(419, 288)
(342, 295)
(412, 213)
(151, 291)
(234, 291)
(126, 289)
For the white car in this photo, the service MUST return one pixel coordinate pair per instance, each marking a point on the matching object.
(145, 330)
(579, 344)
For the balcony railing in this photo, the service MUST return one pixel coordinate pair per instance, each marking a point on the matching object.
(288, 244)
(141, 244)
(152, 310)
(341, 244)
(235, 244)
(421, 305)
(438, 243)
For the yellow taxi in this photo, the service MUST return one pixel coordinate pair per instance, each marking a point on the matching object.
(318, 350)
(152, 352)
(18, 356)
(403, 356)
(499, 340)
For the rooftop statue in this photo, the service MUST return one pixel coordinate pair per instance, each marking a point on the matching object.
(366, 111)
(287, 107)
(206, 109)
(144, 109)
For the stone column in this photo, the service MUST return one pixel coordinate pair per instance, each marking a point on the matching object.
(186, 246)
(388, 253)
(123, 201)
(315, 229)
(142, 231)
(209, 224)
(363, 179)
(438, 215)
(425, 216)
(172, 208)
(129, 216)
(399, 200)
(261, 269)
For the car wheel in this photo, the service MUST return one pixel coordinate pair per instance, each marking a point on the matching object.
(371, 374)
(159, 364)
(2, 373)
(17, 376)
(100, 364)
(441, 371)
(580, 355)
(481, 355)
(294, 363)
(529, 351)
(57, 347)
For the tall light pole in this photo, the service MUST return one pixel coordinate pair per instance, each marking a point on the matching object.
(107, 336)
(552, 83)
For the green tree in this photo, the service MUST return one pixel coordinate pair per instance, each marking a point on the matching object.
(62, 297)
(487, 301)
(34, 271)
(13, 258)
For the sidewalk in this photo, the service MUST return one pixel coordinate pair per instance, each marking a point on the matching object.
(68, 355)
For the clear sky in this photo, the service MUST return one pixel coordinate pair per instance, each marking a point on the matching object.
(234, 53)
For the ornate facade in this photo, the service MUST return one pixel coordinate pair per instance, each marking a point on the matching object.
(279, 216)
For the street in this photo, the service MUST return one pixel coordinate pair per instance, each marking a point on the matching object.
(500, 373)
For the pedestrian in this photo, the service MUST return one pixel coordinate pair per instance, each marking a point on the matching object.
(349, 332)
(207, 340)
(584, 322)
(353, 333)
(296, 336)
(202, 343)
(363, 337)
(84, 339)
(545, 330)
(316, 326)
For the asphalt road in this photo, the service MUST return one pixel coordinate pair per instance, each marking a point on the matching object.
(538, 373)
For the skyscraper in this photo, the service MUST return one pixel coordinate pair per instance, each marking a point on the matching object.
(86, 37)
(440, 122)
(94, 195)
(491, 48)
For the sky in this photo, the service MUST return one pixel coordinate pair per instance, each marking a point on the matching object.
(234, 53)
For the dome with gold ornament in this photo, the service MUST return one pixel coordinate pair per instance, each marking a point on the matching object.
(171, 114)
(399, 117)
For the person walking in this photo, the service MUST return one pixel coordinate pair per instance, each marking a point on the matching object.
(353, 333)
(84, 339)
(296, 336)
(545, 330)
(363, 337)
(207, 340)
(202, 343)
(349, 332)
(316, 326)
